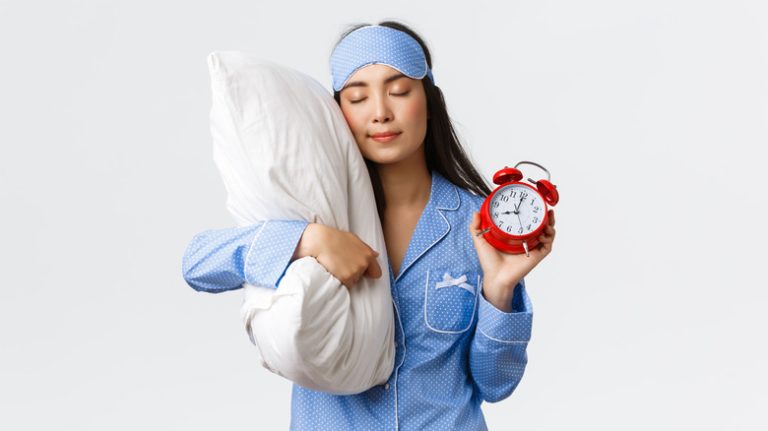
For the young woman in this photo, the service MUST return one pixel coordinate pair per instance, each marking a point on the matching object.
(463, 317)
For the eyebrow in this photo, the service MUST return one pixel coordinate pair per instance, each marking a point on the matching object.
(364, 84)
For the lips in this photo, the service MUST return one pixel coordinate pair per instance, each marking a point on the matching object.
(384, 135)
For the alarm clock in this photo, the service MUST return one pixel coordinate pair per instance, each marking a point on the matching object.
(515, 214)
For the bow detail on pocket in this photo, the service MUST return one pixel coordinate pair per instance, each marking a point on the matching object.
(460, 282)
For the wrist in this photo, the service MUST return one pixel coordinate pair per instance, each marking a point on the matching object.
(500, 297)
(308, 243)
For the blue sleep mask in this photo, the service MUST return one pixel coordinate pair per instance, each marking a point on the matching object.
(376, 44)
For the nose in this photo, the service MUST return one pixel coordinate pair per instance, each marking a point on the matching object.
(382, 113)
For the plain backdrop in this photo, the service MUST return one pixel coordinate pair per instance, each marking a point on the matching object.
(650, 313)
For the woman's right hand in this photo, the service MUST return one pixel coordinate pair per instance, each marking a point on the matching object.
(342, 253)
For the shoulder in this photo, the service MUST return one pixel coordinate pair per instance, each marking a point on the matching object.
(460, 216)
(450, 196)
(469, 200)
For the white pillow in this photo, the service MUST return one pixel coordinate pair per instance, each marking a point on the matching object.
(284, 151)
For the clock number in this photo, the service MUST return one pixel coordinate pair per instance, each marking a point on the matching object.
(505, 198)
(529, 227)
(520, 230)
(495, 204)
(535, 220)
(509, 228)
(536, 209)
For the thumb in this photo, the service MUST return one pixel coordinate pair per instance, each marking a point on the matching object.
(474, 224)
(474, 228)
(480, 243)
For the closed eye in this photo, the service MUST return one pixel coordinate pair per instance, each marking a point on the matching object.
(392, 94)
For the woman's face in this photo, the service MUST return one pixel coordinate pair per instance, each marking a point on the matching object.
(378, 100)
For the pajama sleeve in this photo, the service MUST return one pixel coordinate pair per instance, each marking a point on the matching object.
(219, 260)
(497, 356)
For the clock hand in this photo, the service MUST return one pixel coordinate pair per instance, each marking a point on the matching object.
(517, 208)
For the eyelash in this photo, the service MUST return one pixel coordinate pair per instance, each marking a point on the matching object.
(393, 94)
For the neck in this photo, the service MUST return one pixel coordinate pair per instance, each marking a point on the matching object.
(407, 185)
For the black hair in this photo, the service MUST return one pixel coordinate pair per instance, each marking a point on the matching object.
(442, 150)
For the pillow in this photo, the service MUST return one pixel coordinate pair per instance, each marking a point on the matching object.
(284, 151)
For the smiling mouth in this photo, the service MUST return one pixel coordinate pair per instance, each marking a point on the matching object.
(385, 138)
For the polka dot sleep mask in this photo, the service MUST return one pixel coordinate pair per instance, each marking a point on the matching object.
(377, 44)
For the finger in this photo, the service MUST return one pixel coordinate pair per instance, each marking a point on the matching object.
(551, 217)
(548, 234)
(370, 248)
(373, 270)
(545, 244)
(355, 279)
(474, 230)
(474, 224)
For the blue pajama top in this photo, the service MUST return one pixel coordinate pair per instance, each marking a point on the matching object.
(454, 350)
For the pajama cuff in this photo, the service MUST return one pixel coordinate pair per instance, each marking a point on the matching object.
(513, 327)
(271, 250)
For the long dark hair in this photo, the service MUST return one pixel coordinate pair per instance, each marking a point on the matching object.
(442, 149)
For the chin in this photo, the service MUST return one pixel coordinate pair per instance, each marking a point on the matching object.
(382, 160)
(385, 157)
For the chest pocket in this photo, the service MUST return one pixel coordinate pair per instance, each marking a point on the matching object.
(450, 300)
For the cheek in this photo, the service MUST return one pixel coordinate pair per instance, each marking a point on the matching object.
(354, 122)
(416, 113)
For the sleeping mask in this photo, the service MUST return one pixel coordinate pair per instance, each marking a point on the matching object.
(376, 44)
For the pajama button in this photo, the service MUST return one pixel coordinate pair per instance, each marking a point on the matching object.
(386, 386)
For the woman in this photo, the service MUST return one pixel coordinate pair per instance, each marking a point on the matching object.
(463, 317)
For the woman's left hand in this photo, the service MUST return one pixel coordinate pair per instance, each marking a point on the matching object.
(502, 271)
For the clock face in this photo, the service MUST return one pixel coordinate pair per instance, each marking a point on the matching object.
(517, 210)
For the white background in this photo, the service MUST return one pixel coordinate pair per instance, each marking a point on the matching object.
(651, 115)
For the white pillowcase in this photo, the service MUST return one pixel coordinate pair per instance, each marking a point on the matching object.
(284, 151)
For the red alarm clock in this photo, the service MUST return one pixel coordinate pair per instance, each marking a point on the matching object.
(514, 215)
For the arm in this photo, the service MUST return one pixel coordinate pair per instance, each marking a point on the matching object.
(219, 260)
(497, 356)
